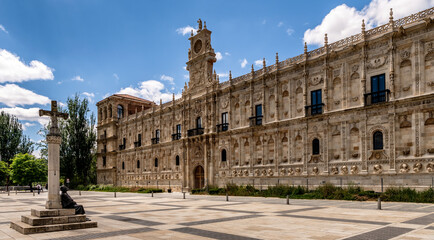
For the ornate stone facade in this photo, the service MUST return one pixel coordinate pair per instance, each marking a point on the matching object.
(359, 109)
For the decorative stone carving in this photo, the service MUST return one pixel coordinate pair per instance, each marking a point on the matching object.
(378, 169)
(354, 169)
(246, 173)
(405, 54)
(316, 80)
(315, 159)
(282, 172)
(344, 169)
(315, 170)
(290, 171)
(355, 154)
(257, 173)
(430, 167)
(404, 168)
(334, 170)
(417, 167)
(298, 171)
(377, 62)
(355, 68)
(406, 152)
(270, 172)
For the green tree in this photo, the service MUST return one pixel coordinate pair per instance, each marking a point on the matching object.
(4, 172)
(12, 139)
(26, 169)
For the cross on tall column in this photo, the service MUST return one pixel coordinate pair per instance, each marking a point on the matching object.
(53, 140)
(54, 114)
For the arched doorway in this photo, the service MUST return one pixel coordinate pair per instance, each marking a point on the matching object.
(199, 177)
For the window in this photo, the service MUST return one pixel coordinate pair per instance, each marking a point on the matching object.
(316, 102)
(177, 161)
(156, 162)
(139, 139)
(378, 87)
(198, 122)
(258, 110)
(123, 165)
(315, 146)
(157, 133)
(104, 149)
(104, 161)
(138, 163)
(378, 140)
(224, 118)
(178, 129)
(224, 155)
(120, 111)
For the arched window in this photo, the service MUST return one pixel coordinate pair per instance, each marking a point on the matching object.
(104, 161)
(156, 162)
(123, 165)
(224, 155)
(120, 111)
(378, 140)
(138, 163)
(177, 160)
(315, 146)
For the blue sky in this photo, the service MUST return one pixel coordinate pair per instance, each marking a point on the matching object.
(54, 49)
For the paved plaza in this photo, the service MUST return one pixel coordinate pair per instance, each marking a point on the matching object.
(169, 216)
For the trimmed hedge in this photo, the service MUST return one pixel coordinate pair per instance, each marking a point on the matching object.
(326, 191)
(110, 188)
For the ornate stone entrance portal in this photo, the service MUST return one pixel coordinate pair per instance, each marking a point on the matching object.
(199, 177)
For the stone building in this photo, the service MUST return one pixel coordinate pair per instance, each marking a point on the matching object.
(355, 110)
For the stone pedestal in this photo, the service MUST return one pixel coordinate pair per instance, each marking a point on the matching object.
(53, 201)
(50, 220)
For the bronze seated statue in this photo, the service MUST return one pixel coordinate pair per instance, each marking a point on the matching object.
(67, 201)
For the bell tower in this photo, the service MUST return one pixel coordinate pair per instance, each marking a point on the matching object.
(201, 58)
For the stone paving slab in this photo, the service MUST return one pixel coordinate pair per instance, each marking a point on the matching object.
(168, 216)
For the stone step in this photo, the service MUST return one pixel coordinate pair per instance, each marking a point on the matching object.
(53, 212)
(38, 221)
(25, 228)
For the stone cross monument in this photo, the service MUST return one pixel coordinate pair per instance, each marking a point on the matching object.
(53, 140)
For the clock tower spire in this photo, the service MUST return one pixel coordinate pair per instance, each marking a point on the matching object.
(201, 58)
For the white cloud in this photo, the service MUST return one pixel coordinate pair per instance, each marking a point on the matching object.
(2, 28)
(186, 30)
(151, 90)
(219, 56)
(167, 78)
(344, 21)
(14, 70)
(289, 31)
(89, 96)
(258, 63)
(280, 24)
(116, 76)
(223, 75)
(227, 54)
(77, 78)
(27, 124)
(13, 95)
(27, 114)
(243, 63)
(186, 76)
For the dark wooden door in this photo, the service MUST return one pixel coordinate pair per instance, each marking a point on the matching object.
(199, 177)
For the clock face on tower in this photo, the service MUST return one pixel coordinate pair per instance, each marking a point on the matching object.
(197, 46)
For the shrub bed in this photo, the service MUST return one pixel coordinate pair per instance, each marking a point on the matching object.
(110, 188)
(326, 191)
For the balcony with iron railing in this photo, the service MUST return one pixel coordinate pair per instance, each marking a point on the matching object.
(155, 140)
(195, 132)
(377, 97)
(176, 136)
(138, 144)
(315, 109)
(222, 127)
(255, 120)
